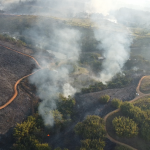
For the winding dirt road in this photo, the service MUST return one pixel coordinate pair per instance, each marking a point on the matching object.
(117, 110)
(16, 84)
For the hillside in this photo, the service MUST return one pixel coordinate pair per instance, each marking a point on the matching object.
(13, 67)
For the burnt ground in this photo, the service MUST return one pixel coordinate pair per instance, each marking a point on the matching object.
(88, 104)
(13, 66)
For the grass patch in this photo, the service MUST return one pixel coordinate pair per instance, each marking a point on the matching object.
(136, 142)
(145, 85)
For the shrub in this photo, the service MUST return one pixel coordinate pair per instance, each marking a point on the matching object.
(104, 99)
(125, 127)
(116, 103)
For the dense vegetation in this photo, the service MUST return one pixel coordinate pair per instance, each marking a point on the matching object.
(116, 103)
(125, 127)
(145, 85)
(133, 120)
(141, 115)
(92, 131)
(29, 135)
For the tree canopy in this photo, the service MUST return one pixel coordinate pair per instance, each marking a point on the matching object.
(92, 131)
(104, 99)
(125, 127)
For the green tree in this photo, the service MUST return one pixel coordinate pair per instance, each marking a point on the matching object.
(125, 127)
(91, 128)
(104, 99)
(116, 103)
(95, 144)
(125, 108)
(145, 130)
(29, 135)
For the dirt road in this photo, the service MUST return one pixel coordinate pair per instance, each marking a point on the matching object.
(16, 84)
(117, 110)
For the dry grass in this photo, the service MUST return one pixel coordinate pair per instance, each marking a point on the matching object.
(145, 85)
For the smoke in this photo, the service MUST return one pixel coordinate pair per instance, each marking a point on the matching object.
(49, 82)
(116, 51)
(68, 90)
(115, 40)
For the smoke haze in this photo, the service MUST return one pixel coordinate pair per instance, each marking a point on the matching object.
(115, 41)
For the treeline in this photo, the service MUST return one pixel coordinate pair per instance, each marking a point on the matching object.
(30, 134)
(135, 120)
(119, 81)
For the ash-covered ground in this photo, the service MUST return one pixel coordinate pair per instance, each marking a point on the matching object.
(13, 66)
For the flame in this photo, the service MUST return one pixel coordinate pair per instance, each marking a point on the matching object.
(48, 135)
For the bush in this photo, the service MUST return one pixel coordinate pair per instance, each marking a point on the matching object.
(125, 127)
(29, 134)
(116, 103)
(104, 99)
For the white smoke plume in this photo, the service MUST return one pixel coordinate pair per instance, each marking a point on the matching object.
(115, 38)
(68, 90)
(115, 42)
(51, 82)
